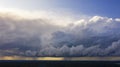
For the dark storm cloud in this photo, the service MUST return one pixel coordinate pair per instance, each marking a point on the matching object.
(95, 36)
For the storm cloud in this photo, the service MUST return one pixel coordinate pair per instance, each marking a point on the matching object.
(58, 36)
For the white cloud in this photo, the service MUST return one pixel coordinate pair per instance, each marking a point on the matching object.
(96, 19)
(117, 19)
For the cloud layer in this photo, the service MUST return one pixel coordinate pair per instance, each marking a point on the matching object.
(58, 35)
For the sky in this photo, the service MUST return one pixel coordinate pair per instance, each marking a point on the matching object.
(59, 28)
(108, 8)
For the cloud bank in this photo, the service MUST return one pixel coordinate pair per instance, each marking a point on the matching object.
(44, 34)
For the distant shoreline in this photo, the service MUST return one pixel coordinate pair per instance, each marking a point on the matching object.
(62, 58)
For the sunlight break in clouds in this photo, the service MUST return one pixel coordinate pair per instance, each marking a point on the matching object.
(43, 33)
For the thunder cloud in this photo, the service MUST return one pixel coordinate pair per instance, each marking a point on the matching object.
(58, 36)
